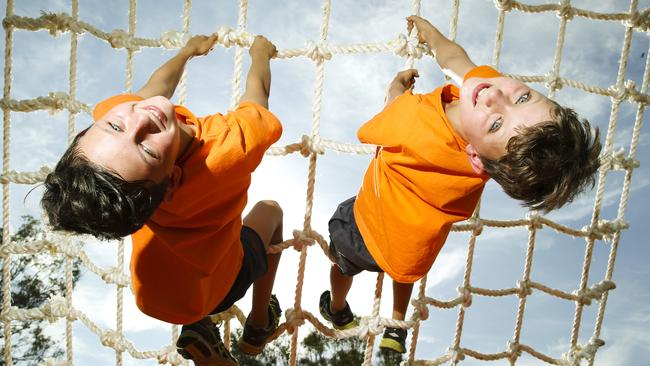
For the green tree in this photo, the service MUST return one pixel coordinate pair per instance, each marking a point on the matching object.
(315, 350)
(34, 279)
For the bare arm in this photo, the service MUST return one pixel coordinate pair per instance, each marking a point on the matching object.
(451, 57)
(403, 81)
(164, 80)
(258, 81)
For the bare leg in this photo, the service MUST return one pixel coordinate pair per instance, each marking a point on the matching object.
(266, 219)
(401, 298)
(340, 287)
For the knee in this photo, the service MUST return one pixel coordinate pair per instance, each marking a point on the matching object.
(272, 207)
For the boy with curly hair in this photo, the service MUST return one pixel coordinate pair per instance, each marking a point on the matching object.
(434, 154)
(178, 183)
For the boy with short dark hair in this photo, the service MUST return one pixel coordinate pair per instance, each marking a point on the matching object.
(435, 153)
(178, 183)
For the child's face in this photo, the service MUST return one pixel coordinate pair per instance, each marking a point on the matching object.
(493, 110)
(137, 140)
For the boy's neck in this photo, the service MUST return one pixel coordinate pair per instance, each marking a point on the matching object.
(187, 134)
(452, 111)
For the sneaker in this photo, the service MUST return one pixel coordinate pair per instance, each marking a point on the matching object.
(201, 343)
(254, 339)
(343, 319)
(394, 339)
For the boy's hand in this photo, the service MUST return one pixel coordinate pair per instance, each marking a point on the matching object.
(423, 26)
(263, 47)
(200, 45)
(406, 78)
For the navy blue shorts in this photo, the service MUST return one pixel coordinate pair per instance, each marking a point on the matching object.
(254, 266)
(347, 247)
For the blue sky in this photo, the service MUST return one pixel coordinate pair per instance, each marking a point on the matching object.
(353, 93)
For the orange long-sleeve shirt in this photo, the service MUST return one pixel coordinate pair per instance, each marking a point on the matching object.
(418, 184)
(187, 256)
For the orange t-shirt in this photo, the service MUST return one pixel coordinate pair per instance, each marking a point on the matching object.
(418, 184)
(187, 256)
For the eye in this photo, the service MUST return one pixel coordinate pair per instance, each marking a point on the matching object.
(114, 127)
(149, 152)
(523, 99)
(495, 125)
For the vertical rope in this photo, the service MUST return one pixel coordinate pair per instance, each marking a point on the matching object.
(239, 53)
(182, 85)
(602, 176)
(370, 342)
(523, 292)
(498, 41)
(453, 23)
(6, 126)
(416, 327)
(559, 46)
(71, 132)
(311, 178)
(636, 133)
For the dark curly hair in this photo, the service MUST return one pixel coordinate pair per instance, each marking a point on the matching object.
(85, 198)
(546, 165)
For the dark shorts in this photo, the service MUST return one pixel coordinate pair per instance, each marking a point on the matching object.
(254, 266)
(346, 244)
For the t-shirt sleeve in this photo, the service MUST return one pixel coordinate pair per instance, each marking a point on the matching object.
(482, 71)
(258, 129)
(106, 105)
(384, 128)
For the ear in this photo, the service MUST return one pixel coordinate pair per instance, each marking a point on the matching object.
(174, 182)
(474, 159)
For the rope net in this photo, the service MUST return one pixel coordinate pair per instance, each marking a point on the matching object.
(310, 147)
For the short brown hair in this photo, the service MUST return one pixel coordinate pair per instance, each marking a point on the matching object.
(546, 165)
(85, 198)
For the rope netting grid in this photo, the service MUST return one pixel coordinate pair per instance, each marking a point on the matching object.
(310, 147)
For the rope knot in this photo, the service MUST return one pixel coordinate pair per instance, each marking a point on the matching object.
(553, 82)
(301, 239)
(120, 39)
(295, 318)
(408, 47)
(524, 289)
(55, 309)
(606, 229)
(456, 354)
(370, 325)
(514, 348)
(466, 295)
(229, 37)
(639, 20)
(623, 92)
(566, 11)
(503, 5)
(318, 52)
(309, 145)
(173, 39)
(113, 339)
(535, 219)
(477, 225)
(421, 308)
(595, 292)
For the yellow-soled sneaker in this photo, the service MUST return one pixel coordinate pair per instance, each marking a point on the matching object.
(394, 339)
(340, 320)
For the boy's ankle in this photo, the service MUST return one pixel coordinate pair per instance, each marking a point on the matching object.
(335, 309)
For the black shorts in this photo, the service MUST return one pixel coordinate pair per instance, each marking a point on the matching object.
(346, 243)
(254, 266)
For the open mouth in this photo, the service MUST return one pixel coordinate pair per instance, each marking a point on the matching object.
(478, 91)
(158, 115)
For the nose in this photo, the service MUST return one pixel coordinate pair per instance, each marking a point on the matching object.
(140, 124)
(493, 97)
